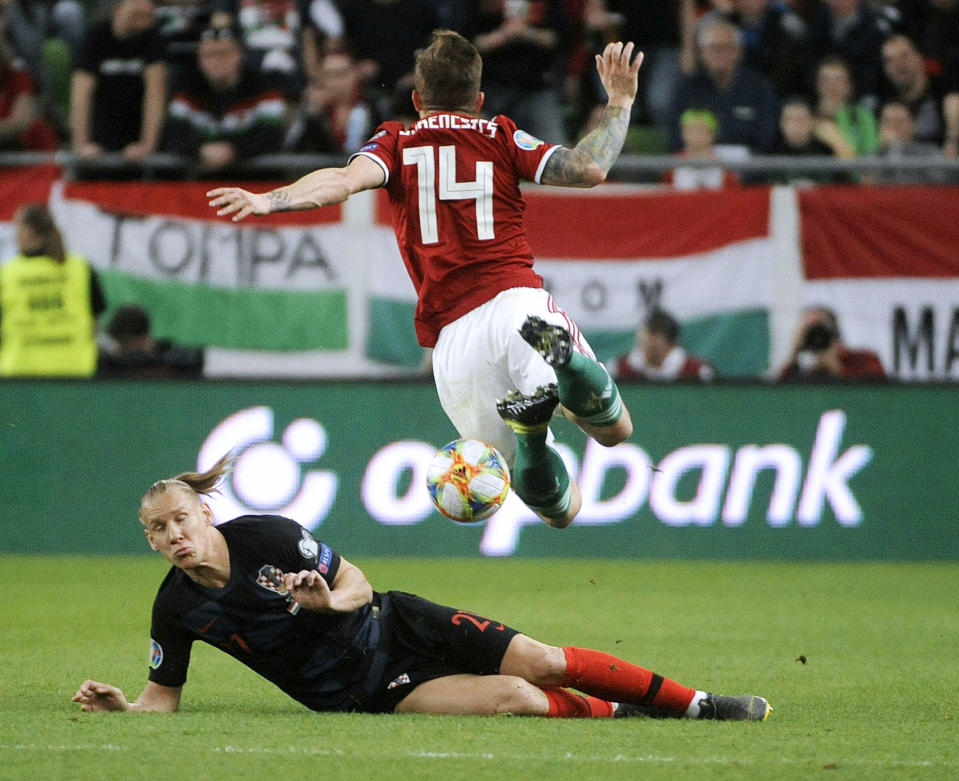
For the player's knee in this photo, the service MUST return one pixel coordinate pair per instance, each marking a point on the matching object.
(518, 697)
(536, 662)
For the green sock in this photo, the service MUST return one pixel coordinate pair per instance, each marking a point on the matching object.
(539, 476)
(587, 390)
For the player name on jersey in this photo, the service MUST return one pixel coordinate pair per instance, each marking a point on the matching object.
(454, 122)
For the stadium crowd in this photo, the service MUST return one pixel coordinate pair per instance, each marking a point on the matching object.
(222, 81)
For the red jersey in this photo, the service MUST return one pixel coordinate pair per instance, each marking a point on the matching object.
(453, 184)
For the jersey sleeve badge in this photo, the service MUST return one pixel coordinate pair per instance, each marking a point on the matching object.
(308, 546)
(525, 141)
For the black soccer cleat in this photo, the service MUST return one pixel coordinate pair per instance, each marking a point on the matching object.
(551, 341)
(746, 708)
(714, 706)
(527, 414)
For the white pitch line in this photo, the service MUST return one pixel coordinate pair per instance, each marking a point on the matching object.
(495, 757)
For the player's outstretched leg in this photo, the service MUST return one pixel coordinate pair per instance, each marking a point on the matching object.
(539, 476)
(584, 386)
(633, 690)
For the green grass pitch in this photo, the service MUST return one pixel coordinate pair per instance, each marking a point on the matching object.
(875, 697)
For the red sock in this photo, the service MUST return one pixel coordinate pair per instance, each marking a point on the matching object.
(564, 704)
(603, 675)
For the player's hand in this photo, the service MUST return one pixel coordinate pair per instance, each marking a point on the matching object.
(309, 589)
(239, 203)
(620, 77)
(94, 696)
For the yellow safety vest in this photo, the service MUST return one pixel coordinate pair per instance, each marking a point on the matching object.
(46, 325)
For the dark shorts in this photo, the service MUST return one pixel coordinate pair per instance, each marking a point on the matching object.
(428, 641)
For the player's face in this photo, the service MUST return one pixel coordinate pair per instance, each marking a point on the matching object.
(177, 525)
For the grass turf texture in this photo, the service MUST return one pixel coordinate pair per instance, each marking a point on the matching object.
(875, 697)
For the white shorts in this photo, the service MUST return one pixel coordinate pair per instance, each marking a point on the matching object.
(481, 357)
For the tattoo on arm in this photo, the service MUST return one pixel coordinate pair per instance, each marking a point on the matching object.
(605, 141)
(601, 146)
(279, 200)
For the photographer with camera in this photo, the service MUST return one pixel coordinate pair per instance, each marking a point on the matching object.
(819, 354)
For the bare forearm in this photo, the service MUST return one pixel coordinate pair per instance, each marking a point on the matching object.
(588, 163)
(154, 106)
(324, 187)
(604, 142)
(351, 590)
(80, 97)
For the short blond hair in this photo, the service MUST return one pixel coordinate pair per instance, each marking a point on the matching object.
(448, 73)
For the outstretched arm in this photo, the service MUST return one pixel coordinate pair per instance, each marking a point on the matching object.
(587, 164)
(95, 696)
(324, 187)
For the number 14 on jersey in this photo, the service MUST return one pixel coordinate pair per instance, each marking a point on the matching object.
(450, 189)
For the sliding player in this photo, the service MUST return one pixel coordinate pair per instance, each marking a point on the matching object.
(265, 591)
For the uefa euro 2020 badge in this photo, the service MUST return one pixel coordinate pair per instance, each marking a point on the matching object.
(524, 140)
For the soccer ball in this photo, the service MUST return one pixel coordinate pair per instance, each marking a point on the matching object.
(468, 480)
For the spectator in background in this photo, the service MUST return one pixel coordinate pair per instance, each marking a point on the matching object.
(521, 43)
(31, 22)
(22, 128)
(35, 26)
(932, 100)
(934, 27)
(699, 128)
(384, 36)
(272, 33)
(655, 27)
(898, 144)
(333, 116)
(744, 102)
(321, 26)
(848, 127)
(657, 354)
(179, 23)
(49, 303)
(775, 42)
(118, 88)
(853, 30)
(797, 138)
(226, 112)
(819, 354)
(132, 351)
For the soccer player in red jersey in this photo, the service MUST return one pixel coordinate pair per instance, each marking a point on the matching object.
(453, 180)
